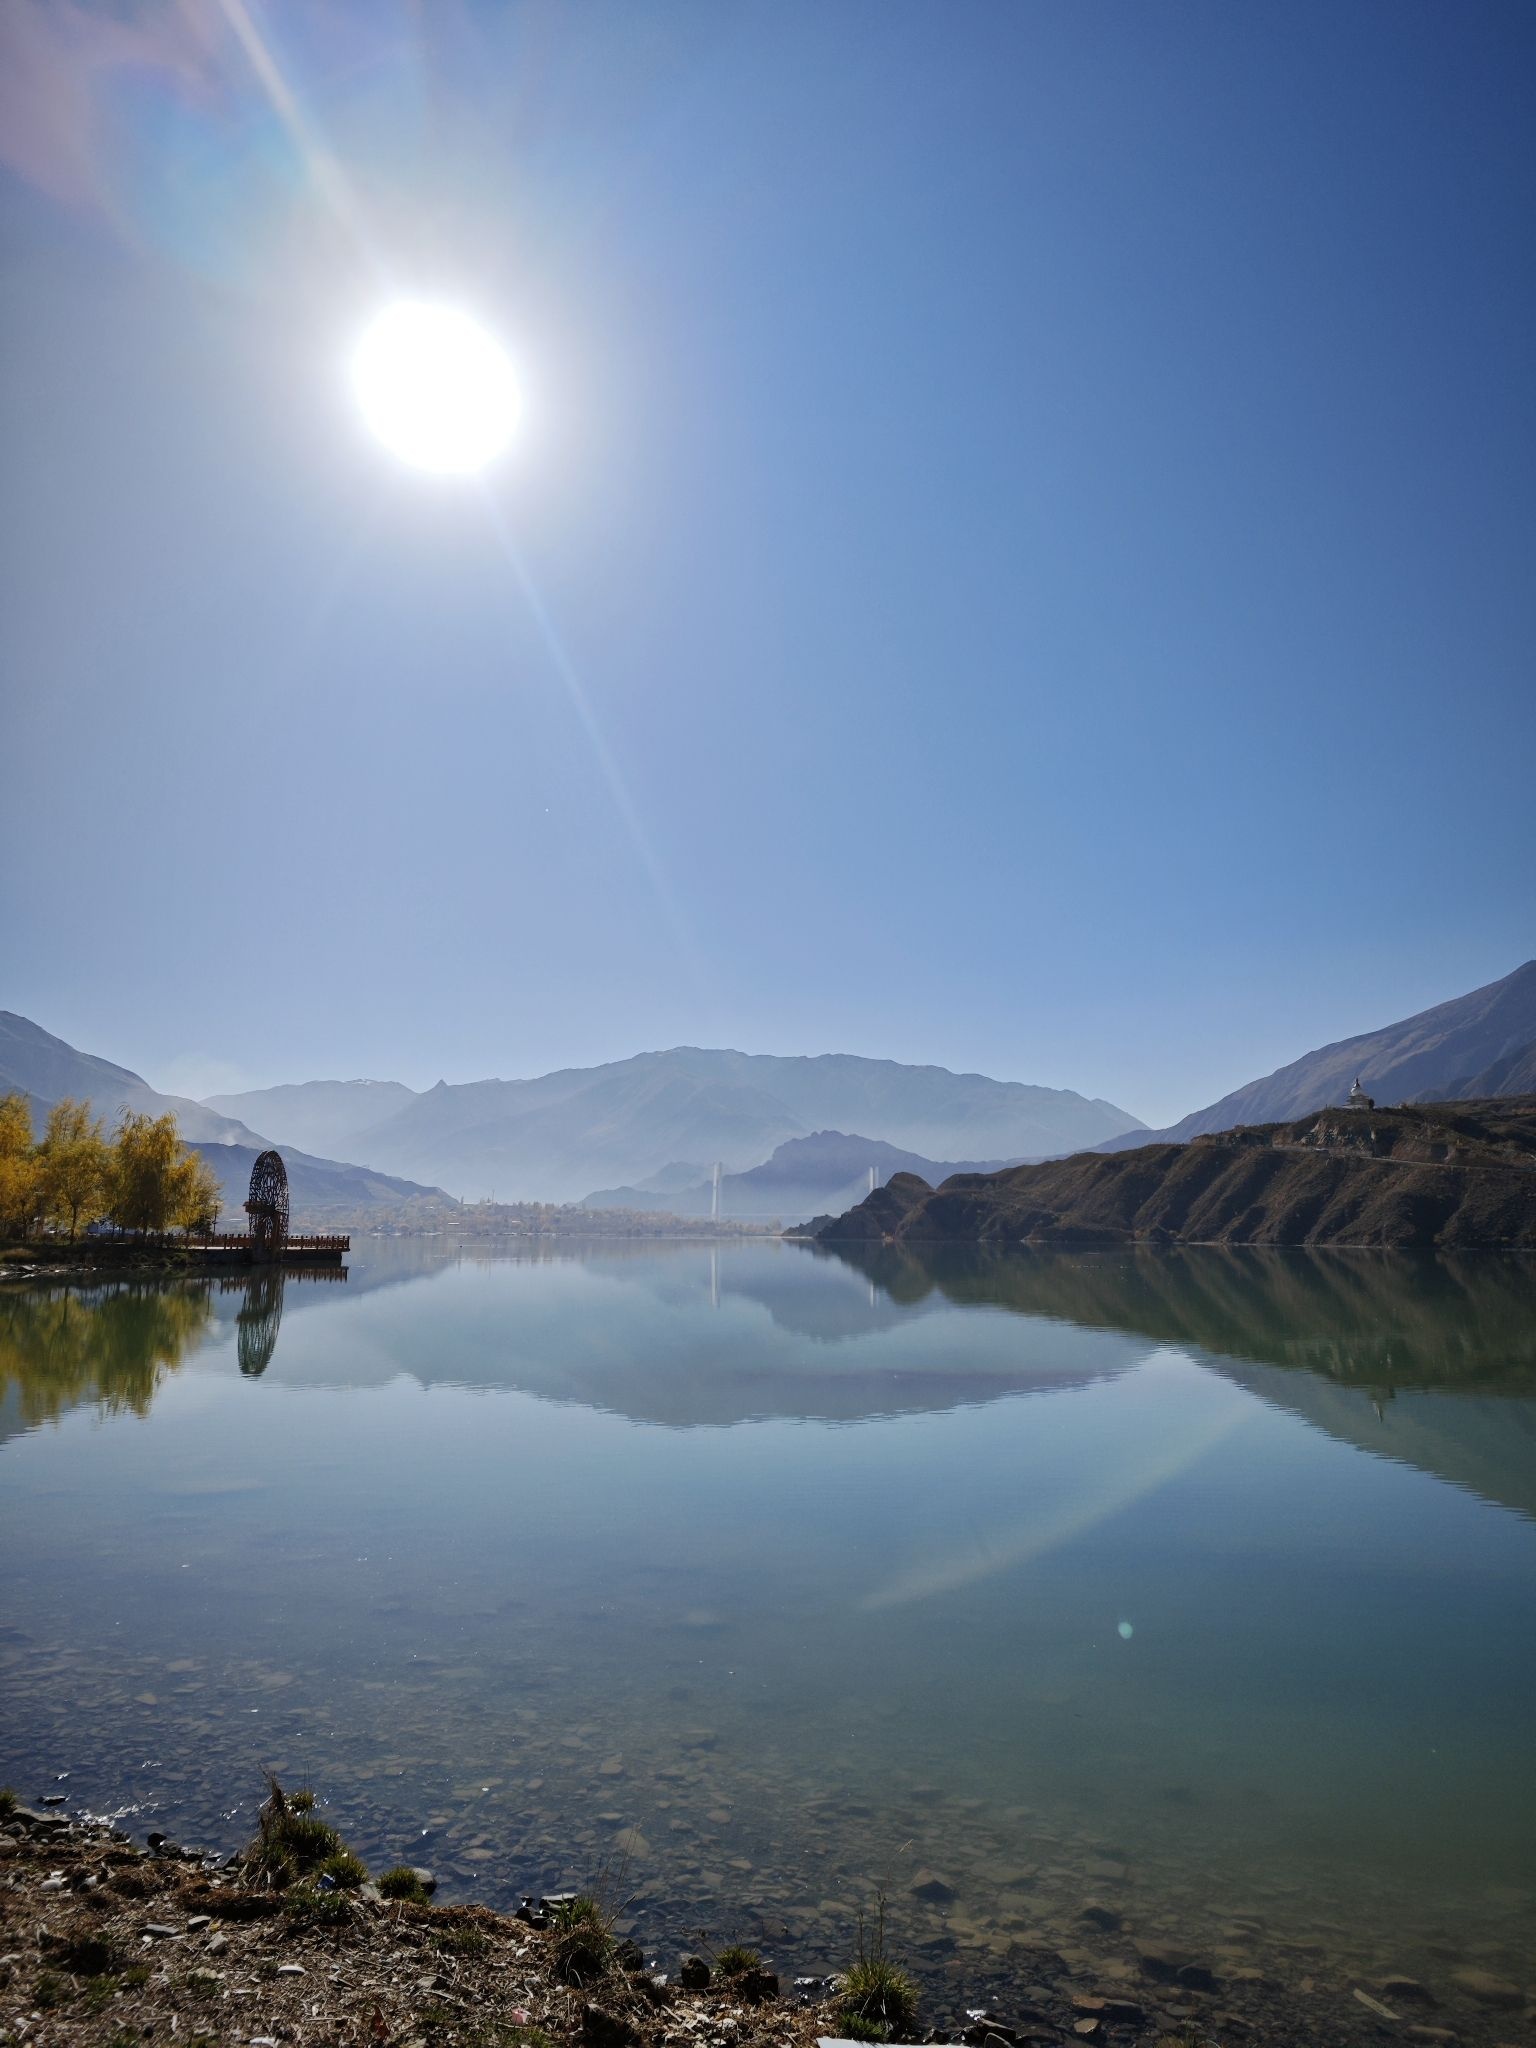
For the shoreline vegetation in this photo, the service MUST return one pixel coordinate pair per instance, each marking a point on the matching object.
(144, 1180)
(290, 1941)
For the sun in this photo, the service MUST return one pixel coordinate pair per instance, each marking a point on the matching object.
(436, 388)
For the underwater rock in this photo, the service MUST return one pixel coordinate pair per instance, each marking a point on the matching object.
(1488, 1989)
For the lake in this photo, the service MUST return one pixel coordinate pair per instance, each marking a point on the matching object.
(1197, 1587)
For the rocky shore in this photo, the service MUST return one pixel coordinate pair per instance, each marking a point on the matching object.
(109, 1944)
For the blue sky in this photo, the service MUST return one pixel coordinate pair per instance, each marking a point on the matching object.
(1019, 553)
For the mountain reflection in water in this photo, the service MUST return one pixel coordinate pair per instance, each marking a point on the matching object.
(1378, 1319)
(1428, 1359)
(814, 1574)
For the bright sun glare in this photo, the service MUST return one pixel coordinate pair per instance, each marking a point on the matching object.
(436, 388)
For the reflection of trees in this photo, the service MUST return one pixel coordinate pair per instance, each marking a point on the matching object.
(62, 1346)
(1383, 1320)
(256, 1324)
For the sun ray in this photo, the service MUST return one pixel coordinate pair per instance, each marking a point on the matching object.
(571, 684)
(321, 165)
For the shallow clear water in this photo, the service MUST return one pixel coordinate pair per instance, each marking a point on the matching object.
(1202, 1584)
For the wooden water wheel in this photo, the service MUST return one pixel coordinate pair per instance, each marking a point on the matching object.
(267, 1207)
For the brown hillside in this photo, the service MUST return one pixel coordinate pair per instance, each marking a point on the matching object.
(1461, 1174)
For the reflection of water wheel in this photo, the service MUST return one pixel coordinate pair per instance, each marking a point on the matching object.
(267, 1206)
(256, 1324)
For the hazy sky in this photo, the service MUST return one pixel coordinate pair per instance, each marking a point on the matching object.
(1020, 552)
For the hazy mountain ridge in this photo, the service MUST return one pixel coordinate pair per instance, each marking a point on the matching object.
(321, 1190)
(557, 1136)
(1446, 1174)
(1474, 1046)
(318, 1116)
(1515, 1074)
(804, 1177)
(45, 1068)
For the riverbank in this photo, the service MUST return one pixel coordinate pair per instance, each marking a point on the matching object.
(111, 1258)
(104, 1942)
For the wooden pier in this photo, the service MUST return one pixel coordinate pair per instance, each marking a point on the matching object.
(242, 1247)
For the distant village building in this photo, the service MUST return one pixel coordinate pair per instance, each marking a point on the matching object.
(1358, 1099)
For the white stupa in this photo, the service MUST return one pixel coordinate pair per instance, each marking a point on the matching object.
(1358, 1099)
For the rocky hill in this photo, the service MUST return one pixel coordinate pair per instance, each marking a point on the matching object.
(1457, 1174)
(1472, 1047)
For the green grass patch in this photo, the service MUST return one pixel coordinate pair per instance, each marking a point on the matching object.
(8, 1802)
(403, 1883)
(293, 1845)
(308, 1906)
(583, 1940)
(345, 1870)
(735, 1961)
(876, 1992)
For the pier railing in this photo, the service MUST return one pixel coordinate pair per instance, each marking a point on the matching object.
(297, 1245)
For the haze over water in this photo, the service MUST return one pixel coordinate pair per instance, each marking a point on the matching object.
(1197, 1584)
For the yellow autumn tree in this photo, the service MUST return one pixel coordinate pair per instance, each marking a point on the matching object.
(73, 1164)
(143, 1174)
(20, 1182)
(196, 1194)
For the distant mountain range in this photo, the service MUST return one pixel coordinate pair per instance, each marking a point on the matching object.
(784, 1129)
(45, 1069)
(1474, 1047)
(318, 1116)
(819, 1175)
(557, 1137)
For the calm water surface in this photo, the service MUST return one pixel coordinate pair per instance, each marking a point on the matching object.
(1200, 1584)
